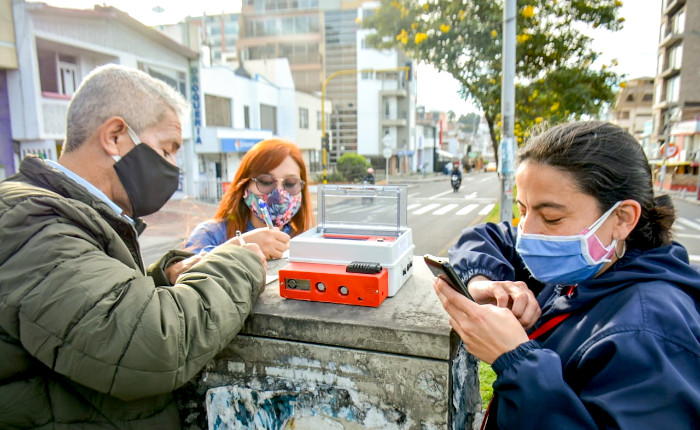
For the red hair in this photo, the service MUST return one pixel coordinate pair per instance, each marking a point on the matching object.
(262, 158)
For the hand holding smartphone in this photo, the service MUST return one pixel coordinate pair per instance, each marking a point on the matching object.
(443, 270)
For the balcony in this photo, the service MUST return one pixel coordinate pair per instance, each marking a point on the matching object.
(670, 39)
(398, 92)
(394, 122)
(671, 6)
(55, 108)
(669, 72)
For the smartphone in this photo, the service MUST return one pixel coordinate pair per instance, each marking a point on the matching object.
(444, 270)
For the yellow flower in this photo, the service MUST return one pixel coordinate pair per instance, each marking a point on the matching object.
(554, 107)
(623, 84)
(494, 33)
(528, 11)
(444, 28)
(425, 6)
(538, 120)
(461, 15)
(414, 25)
(520, 38)
(420, 37)
(402, 37)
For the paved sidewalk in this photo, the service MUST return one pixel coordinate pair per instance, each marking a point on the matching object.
(170, 227)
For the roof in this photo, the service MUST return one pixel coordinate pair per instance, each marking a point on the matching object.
(102, 12)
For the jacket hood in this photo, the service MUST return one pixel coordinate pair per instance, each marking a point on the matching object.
(669, 264)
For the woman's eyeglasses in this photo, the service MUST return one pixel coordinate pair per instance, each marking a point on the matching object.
(267, 183)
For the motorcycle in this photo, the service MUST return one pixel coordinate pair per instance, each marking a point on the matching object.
(456, 182)
(367, 200)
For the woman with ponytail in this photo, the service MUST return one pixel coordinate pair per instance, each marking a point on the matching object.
(587, 310)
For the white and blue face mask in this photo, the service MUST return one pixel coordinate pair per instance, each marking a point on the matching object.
(565, 260)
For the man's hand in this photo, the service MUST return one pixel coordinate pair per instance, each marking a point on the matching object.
(256, 249)
(515, 296)
(174, 270)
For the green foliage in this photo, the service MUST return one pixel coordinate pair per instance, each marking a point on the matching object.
(554, 78)
(486, 379)
(353, 166)
(469, 122)
(332, 177)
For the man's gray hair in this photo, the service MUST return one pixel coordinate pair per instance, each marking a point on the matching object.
(115, 90)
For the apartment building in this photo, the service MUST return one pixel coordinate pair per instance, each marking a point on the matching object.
(324, 43)
(677, 83)
(676, 110)
(633, 105)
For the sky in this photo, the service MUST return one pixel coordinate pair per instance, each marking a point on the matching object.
(634, 47)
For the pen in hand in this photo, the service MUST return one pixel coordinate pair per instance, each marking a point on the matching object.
(265, 213)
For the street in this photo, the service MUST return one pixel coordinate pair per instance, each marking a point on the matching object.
(436, 216)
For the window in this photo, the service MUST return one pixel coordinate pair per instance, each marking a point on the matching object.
(673, 89)
(647, 97)
(303, 118)
(268, 118)
(246, 116)
(678, 22)
(67, 74)
(218, 111)
(675, 56)
(625, 114)
(177, 80)
(58, 73)
(630, 97)
(318, 120)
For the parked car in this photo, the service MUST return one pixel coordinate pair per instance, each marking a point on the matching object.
(491, 166)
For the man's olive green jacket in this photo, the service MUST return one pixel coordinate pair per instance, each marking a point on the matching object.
(87, 339)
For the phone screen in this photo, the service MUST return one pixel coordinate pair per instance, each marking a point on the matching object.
(441, 268)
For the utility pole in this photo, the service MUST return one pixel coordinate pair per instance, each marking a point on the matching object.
(506, 162)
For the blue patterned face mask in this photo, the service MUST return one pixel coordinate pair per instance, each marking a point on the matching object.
(565, 260)
(281, 205)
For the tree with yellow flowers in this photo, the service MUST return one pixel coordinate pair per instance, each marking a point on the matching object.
(555, 80)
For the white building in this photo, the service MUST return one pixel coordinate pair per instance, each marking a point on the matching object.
(244, 106)
(300, 112)
(386, 103)
(57, 48)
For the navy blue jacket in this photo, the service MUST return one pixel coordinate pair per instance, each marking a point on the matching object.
(627, 357)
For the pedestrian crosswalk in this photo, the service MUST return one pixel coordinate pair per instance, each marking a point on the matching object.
(428, 207)
(686, 231)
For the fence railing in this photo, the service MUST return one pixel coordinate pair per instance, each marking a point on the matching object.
(209, 190)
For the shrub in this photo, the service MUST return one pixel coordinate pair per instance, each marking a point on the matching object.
(330, 177)
(353, 167)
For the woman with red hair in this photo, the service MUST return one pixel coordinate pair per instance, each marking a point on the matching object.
(272, 172)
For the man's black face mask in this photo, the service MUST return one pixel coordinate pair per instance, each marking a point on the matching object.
(149, 179)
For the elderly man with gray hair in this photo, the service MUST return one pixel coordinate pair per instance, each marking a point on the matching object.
(88, 336)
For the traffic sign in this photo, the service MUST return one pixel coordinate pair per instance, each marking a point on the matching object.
(671, 150)
(387, 152)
